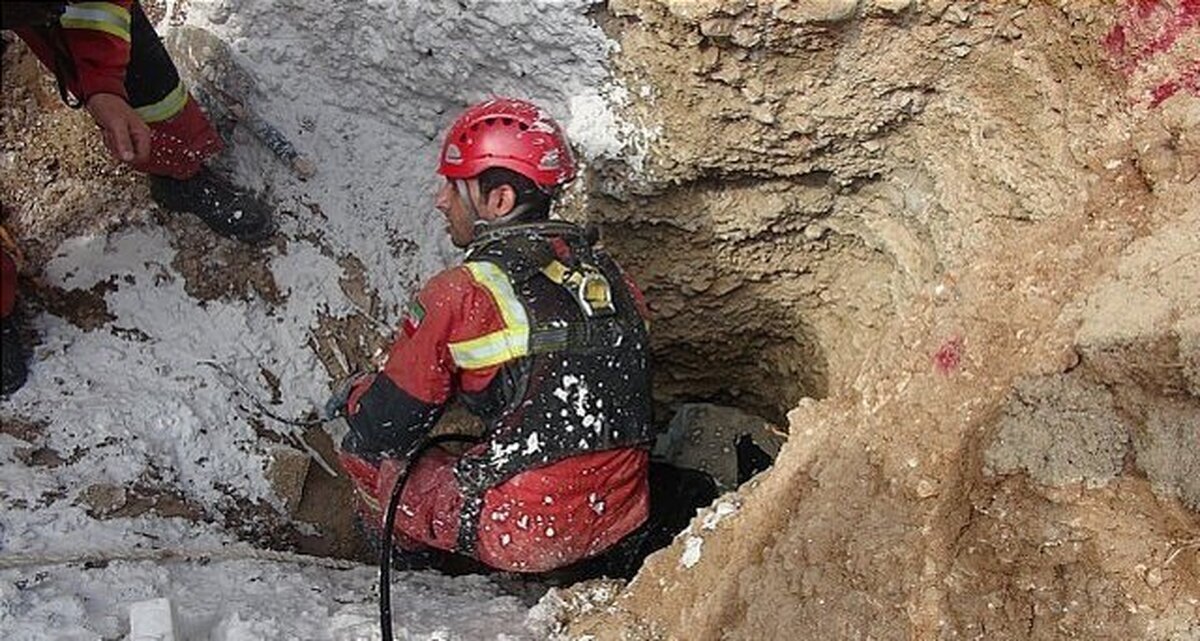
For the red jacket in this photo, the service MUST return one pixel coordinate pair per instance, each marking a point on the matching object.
(92, 50)
(97, 35)
(539, 519)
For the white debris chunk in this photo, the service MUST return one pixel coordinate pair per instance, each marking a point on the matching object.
(691, 552)
(721, 510)
(152, 620)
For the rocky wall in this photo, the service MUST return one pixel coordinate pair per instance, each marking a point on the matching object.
(1001, 323)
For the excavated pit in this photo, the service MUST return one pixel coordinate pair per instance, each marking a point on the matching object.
(757, 303)
(989, 458)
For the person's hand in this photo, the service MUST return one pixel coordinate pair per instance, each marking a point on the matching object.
(125, 134)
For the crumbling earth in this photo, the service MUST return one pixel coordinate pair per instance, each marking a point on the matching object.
(978, 225)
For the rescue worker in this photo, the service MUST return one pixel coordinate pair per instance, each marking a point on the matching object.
(539, 334)
(107, 59)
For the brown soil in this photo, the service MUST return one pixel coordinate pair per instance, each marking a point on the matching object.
(56, 179)
(989, 311)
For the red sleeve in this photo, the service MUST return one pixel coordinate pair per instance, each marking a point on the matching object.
(451, 307)
(97, 34)
(419, 362)
(396, 408)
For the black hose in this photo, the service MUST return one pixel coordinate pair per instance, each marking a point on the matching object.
(385, 553)
(389, 523)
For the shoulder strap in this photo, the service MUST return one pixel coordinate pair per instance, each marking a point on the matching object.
(521, 257)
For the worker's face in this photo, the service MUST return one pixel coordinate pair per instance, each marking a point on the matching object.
(459, 217)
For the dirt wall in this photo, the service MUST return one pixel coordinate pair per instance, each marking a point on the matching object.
(1001, 327)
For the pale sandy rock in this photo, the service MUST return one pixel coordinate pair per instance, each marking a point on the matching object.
(1059, 430)
(693, 9)
(894, 6)
(1139, 327)
(803, 11)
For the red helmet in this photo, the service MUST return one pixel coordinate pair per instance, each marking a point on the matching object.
(509, 133)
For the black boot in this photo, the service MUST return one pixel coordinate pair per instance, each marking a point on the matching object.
(227, 210)
(13, 355)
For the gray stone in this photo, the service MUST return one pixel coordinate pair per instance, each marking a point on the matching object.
(1167, 449)
(1059, 430)
(703, 436)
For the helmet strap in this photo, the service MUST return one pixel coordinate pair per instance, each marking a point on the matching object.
(464, 193)
(479, 223)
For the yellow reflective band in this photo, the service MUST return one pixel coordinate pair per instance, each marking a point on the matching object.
(498, 347)
(496, 281)
(489, 350)
(97, 16)
(166, 108)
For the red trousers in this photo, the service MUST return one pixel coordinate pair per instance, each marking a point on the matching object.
(539, 520)
(8, 284)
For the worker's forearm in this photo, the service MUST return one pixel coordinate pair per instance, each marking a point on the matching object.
(386, 418)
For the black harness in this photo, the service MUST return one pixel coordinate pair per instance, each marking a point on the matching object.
(584, 385)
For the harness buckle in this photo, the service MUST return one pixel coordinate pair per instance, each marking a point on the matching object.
(594, 295)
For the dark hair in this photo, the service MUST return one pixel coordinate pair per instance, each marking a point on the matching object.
(528, 192)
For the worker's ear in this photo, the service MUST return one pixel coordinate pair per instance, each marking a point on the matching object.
(500, 201)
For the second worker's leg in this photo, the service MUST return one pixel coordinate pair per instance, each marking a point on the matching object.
(182, 140)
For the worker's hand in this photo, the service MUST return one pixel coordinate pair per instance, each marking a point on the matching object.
(380, 357)
(335, 405)
(125, 134)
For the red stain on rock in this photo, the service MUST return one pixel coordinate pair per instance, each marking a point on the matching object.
(1190, 80)
(1147, 29)
(949, 355)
